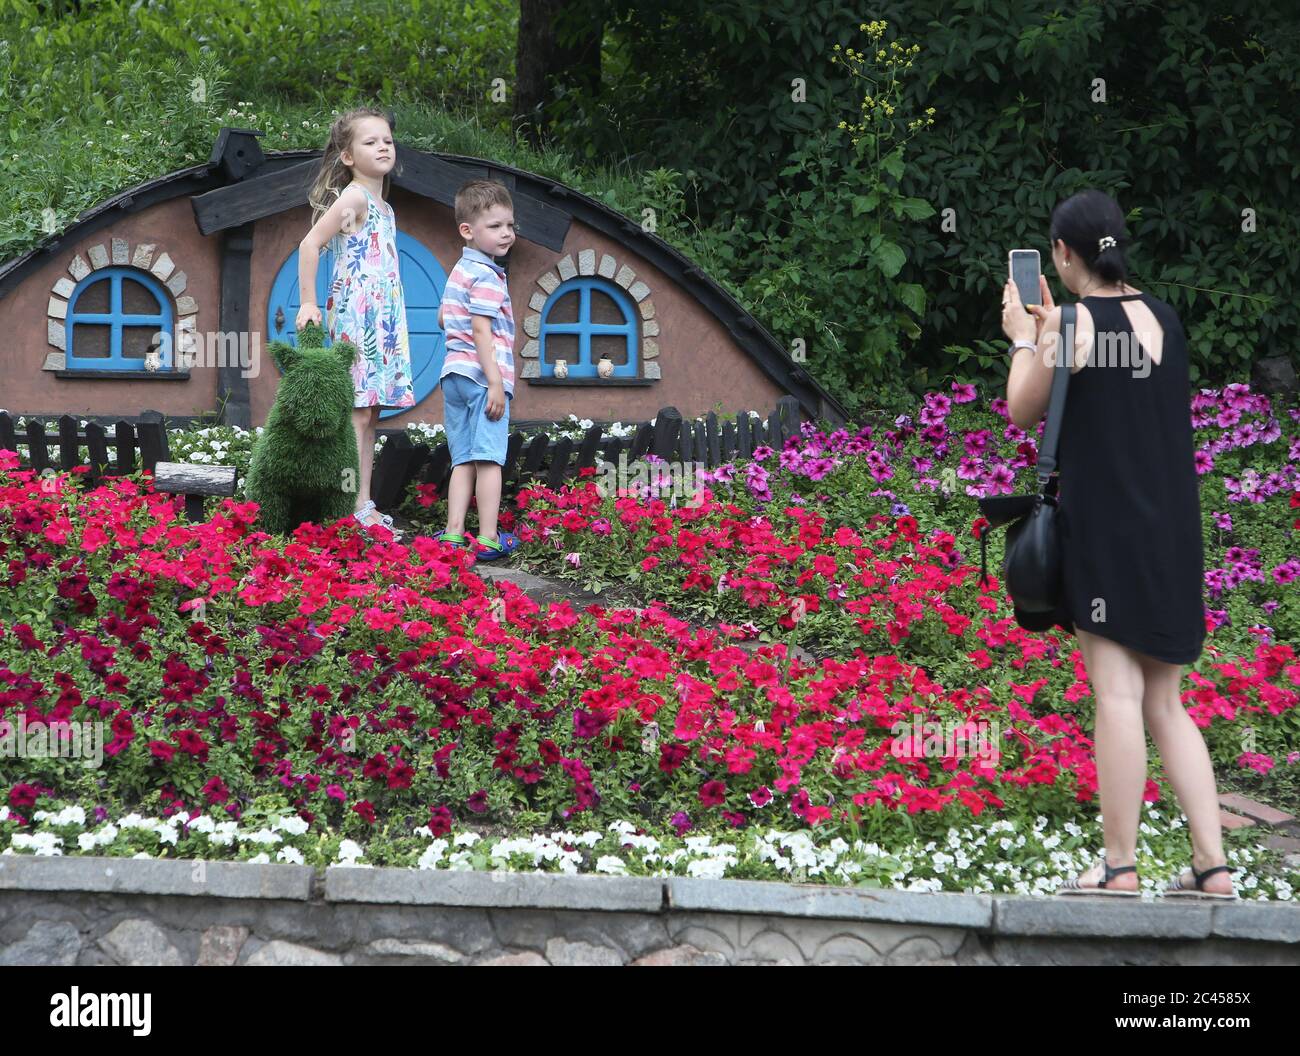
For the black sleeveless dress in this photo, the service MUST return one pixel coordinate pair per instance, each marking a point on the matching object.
(1129, 499)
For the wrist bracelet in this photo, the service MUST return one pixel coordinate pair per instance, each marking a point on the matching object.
(1021, 344)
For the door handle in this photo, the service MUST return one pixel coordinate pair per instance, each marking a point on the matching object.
(279, 319)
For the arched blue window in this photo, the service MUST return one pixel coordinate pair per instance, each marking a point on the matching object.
(583, 318)
(115, 317)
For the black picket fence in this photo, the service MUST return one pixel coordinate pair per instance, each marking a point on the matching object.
(540, 458)
(109, 454)
(553, 462)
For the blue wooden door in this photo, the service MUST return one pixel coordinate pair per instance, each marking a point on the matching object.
(422, 283)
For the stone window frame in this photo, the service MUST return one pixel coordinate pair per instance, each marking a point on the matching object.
(118, 254)
(586, 266)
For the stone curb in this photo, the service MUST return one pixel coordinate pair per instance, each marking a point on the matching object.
(941, 909)
(137, 876)
(1009, 915)
(441, 887)
(1263, 923)
(1099, 916)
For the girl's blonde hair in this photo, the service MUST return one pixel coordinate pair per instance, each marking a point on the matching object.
(333, 175)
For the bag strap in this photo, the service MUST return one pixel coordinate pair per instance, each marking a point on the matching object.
(1056, 402)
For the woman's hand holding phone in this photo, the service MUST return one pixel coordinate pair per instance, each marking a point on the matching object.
(1017, 323)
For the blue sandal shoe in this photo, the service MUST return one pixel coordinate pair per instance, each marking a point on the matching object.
(460, 542)
(507, 543)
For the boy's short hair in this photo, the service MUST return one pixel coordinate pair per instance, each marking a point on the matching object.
(477, 196)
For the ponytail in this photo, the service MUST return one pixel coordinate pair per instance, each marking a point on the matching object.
(1092, 224)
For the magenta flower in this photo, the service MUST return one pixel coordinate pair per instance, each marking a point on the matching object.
(1000, 481)
(1287, 571)
(1257, 761)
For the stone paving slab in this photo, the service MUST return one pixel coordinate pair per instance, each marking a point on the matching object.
(538, 588)
(1260, 812)
(441, 887)
(544, 591)
(156, 877)
(839, 903)
(1234, 821)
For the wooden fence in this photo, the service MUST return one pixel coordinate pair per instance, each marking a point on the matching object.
(553, 462)
(401, 462)
(109, 454)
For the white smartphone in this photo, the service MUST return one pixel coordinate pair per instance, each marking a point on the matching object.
(1022, 267)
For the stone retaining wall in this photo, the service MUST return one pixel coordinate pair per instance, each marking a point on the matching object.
(86, 911)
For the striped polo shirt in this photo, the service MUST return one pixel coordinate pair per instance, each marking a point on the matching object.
(477, 286)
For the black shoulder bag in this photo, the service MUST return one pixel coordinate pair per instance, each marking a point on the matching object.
(1032, 567)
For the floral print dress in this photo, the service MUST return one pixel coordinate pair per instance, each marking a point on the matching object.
(366, 307)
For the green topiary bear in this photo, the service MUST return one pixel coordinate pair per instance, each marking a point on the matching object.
(304, 465)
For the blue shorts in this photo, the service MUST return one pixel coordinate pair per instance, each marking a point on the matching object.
(471, 435)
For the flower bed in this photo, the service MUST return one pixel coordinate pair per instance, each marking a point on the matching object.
(333, 698)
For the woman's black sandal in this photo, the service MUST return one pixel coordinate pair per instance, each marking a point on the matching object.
(1073, 886)
(1177, 890)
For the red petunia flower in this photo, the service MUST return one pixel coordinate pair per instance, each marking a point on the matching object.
(713, 793)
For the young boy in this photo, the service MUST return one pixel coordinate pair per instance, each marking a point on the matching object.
(478, 373)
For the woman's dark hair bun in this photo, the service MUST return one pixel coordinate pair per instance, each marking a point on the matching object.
(1082, 221)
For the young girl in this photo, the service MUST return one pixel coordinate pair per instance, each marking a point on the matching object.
(365, 304)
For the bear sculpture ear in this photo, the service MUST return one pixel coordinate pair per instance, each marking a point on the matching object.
(311, 336)
(284, 354)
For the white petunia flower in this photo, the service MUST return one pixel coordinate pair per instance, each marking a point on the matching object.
(264, 836)
(293, 825)
(432, 855)
(349, 852)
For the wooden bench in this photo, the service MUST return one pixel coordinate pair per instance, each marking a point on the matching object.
(194, 482)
